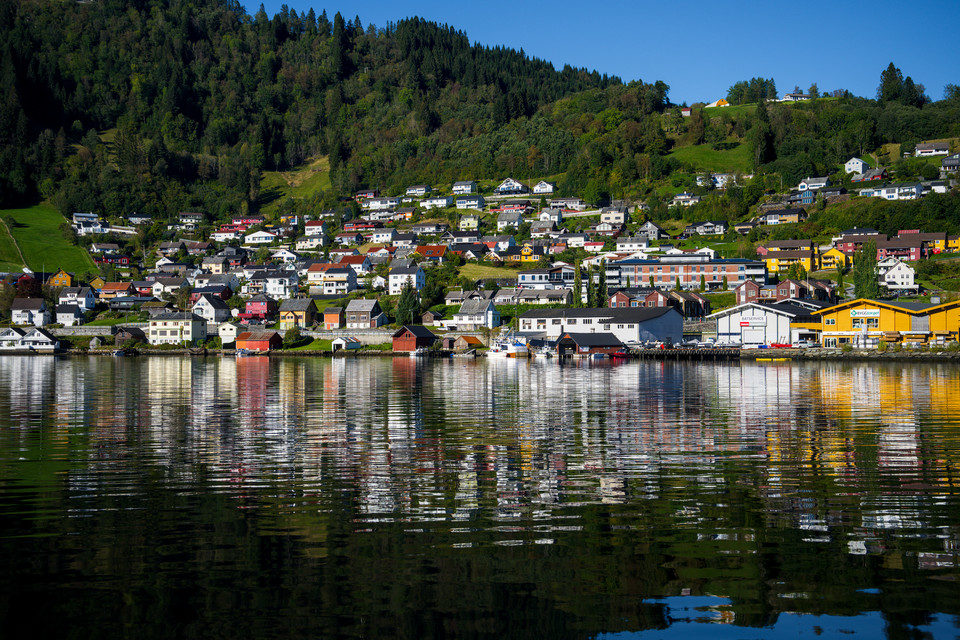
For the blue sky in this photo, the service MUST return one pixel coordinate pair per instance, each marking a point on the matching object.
(701, 48)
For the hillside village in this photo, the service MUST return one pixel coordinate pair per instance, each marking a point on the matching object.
(382, 262)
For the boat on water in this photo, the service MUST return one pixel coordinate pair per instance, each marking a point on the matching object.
(243, 353)
(508, 349)
(419, 352)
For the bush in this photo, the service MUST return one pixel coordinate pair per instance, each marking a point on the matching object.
(846, 347)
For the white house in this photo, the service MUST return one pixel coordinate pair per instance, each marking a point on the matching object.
(474, 314)
(260, 237)
(855, 165)
(311, 243)
(177, 327)
(418, 190)
(631, 325)
(544, 188)
(932, 149)
(400, 276)
(463, 188)
(211, 309)
(509, 219)
(436, 202)
(896, 275)
(315, 228)
(897, 191)
(813, 184)
(383, 236)
(82, 297)
(551, 215)
(471, 202)
(511, 187)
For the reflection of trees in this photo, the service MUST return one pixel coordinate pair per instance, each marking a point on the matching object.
(405, 497)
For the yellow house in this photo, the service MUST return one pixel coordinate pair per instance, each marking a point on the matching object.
(953, 244)
(780, 261)
(61, 279)
(865, 323)
(833, 258)
(945, 321)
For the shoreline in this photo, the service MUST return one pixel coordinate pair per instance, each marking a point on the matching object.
(756, 355)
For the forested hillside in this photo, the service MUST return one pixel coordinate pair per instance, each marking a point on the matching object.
(158, 107)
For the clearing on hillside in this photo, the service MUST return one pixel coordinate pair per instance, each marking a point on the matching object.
(37, 232)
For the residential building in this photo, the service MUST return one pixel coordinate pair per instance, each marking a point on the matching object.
(544, 188)
(297, 313)
(364, 314)
(400, 276)
(630, 326)
(511, 187)
(176, 328)
(855, 165)
(932, 149)
(476, 314)
(464, 188)
(896, 275)
(412, 337)
(812, 184)
(211, 309)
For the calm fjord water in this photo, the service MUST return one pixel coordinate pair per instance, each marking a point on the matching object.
(171, 497)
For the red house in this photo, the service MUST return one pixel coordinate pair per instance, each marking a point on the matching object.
(260, 307)
(411, 337)
(259, 340)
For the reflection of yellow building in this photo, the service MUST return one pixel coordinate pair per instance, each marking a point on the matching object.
(867, 323)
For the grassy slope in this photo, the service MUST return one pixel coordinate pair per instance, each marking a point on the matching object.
(476, 271)
(705, 157)
(37, 232)
(9, 256)
(300, 183)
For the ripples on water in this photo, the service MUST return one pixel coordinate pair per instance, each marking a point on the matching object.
(162, 496)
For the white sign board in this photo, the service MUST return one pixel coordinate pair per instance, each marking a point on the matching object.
(864, 313)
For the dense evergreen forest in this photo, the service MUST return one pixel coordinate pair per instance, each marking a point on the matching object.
(162, 106)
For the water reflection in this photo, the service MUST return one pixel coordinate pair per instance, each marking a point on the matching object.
(591, 487)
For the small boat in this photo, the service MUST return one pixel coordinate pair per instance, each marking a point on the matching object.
(419, 352)
(119, 353)
(243, 353)
(508, 349)
(622, 354)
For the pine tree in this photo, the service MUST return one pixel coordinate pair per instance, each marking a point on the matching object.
(577, 286)
(865, 284)
(407, 304)
(602, 286)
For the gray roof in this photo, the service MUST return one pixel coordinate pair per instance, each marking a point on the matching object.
(177, 315)
(361, 305)
(27, 304)
(474, 306)
(594, 339)
(627, 314)
(215, 302)
(297, 304)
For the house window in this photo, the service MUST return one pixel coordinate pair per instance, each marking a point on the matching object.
(830, 321)
(573, 321)
(555, 321)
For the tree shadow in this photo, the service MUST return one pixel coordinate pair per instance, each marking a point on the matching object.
(268, 195)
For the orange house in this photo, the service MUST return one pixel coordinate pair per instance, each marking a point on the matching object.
(61, 279)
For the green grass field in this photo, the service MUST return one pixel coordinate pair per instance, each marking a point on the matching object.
(477, 271)
(301, 183)
(9, 256)
(37, 232)
(315, 345)
(705, 157)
